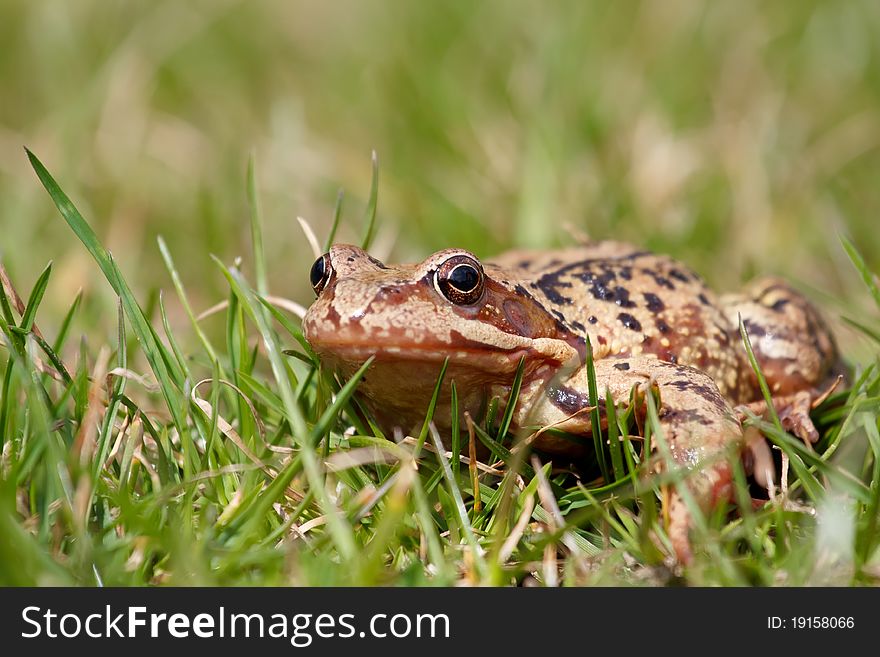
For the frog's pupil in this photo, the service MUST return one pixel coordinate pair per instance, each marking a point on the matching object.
(464, 278)
(316, 275)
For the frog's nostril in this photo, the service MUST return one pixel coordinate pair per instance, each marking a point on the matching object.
(391, 291)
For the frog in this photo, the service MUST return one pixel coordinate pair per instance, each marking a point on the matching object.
(650, 323)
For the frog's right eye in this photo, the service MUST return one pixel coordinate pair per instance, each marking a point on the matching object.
(320, 273)
(460, 279)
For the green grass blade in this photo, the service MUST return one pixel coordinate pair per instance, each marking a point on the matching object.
(756, 368)
(30, 311)
(256, 217)
(153, 350)
(340, 530)
(370, 214)
(613, 437)
(66, 322)
(429, 414)
(455, 432)
(337, 215)
(460, 509)
(859, 262)
(512, 399)
(332, 412)
(871, 333)
(595, 423)
(184, 300)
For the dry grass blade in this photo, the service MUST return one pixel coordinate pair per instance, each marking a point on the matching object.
(472, 462)
(311, 237)
(258, 421)
(280, 302)
(519, 528)
(355, 458)
(85, 441)
(227, 430)
(11, 291)
(143, 380)
(548, 501)
(482, 467)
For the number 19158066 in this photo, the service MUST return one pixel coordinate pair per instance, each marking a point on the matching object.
(811, 623)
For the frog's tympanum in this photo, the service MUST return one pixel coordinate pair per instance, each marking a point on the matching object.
(651, 321)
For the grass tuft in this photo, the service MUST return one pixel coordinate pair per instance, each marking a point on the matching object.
(190, 459)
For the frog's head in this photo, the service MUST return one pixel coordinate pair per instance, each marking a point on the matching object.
(411, 318)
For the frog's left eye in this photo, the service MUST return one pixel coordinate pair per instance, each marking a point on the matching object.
(320, 273)
(460, 279)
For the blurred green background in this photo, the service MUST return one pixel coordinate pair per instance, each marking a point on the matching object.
(739, 136)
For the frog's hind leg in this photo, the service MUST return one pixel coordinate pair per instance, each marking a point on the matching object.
(791, 342)
(793, 347)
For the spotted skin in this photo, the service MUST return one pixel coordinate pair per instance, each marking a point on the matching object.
(652, 324)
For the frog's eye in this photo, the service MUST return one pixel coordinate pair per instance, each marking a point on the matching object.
(320, 273)
(460, 279)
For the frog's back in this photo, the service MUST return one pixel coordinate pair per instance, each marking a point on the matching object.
(631, 301)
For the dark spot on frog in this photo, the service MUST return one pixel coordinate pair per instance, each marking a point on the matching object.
(676, 274)
(524, 264)
(523, 292)
(655, 305)
(592, 319)
(600, 288)
(754, 330)
(661, 281)
(570, 401)
(704, 390)
(621, 366)
(577, 326)
(548, 284)
(625, 273)
(681, 416)
(779, 305)
(683, 384)
(622, 299)
(662, 326)
(376, 262)
(629, 322)
(559, 316)
(350, 258)
(703, 299)
(599, 284)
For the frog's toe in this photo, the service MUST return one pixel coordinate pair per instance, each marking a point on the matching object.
(794, 413)
(757, 459)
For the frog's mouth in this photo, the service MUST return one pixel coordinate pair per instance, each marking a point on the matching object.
(475, 357)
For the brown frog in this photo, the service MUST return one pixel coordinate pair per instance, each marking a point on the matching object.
(651, 322)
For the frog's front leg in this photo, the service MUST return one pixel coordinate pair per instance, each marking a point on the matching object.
(698, 425)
